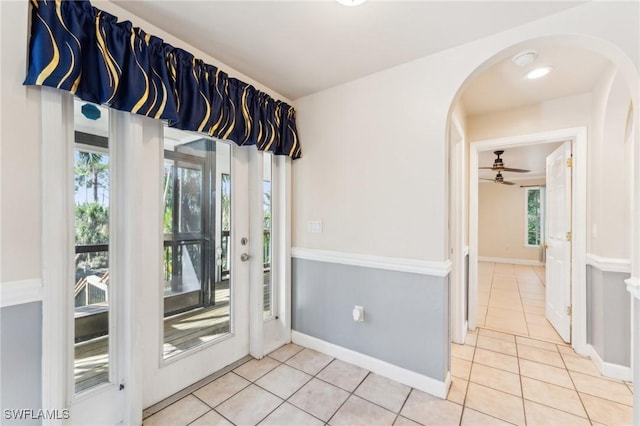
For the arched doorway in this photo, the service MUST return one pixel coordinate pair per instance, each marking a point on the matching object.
(598, 187)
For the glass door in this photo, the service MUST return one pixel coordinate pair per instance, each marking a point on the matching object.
(97, 367)
(203, 287)
(197, 200)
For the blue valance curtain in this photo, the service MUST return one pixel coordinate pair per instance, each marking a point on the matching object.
(84, 50)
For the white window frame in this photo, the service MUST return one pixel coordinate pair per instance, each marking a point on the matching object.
(58, 224)
(526, 215)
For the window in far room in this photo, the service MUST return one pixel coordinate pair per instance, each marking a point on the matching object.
(535, 216)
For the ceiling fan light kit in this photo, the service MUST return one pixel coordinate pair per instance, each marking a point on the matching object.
(499, 179)
(498, 165)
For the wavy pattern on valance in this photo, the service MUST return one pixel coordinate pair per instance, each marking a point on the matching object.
(86, 51)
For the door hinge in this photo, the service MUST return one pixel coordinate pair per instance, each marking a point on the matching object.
(569, 310)
(570, 162)
(569, 236)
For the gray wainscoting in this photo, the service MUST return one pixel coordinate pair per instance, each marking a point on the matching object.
(406, 314)
(466, 287)
(21, 359)
(609, 315)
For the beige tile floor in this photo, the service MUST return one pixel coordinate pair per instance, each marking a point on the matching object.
(512, 370)
(497, 379)
(511, 299)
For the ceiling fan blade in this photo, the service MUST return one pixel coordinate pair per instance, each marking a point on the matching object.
(504, 182)
(488, 168)
(509, 169)
(491, 180)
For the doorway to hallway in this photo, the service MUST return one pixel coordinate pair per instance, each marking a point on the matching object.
(577, 219)
(511, 298)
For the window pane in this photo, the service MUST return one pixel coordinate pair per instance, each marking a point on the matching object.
(267, 231)
(91, 286)
(190, 192)
(196, 226)
(533, 217)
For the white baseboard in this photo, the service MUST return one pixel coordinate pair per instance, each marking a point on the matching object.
(383, 368)
(19, 292)
(513, 261)
(608, 369)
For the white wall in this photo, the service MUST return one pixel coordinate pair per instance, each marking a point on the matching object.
(502, 212)
(570, 111)
(20, 227)
(374, 169)
(610, 176)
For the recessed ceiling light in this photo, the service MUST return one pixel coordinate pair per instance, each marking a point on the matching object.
(539, 72)
(525, 58)
(351, 2)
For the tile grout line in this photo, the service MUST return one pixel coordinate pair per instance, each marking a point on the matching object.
(553, 384)
(253, 382)
(584, 407)
(403, 404)
(524, 408)
(524, 315)
(189, 390)
(347, 398)
(246, 387)
(466, 390)
(464, 406)
(286, 400)
(324, 381)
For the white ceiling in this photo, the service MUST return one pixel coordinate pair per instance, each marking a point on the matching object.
(301, 47)
(531, 157)
(504, 85)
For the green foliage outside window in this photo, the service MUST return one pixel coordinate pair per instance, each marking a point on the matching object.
(91, 210)
(534, 222)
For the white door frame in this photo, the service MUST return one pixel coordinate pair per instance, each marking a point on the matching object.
(578, 136)
(57, 258)
(458, 250)
(267, 334)
(140, 136)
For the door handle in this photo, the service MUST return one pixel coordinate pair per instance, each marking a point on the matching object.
(544, 246)
(244, 257)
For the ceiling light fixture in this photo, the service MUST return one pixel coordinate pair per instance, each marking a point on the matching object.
(539, 72)
(525, 58)
(351, 2)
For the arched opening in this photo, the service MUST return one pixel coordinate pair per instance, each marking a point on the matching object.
(497, 108)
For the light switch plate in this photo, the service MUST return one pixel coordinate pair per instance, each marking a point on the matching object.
(314, 226)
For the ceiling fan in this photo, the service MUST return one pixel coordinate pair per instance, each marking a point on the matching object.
(499, 179)
(498, 165)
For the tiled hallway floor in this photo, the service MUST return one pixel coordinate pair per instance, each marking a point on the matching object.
(497, 379)
(514, 370)
(511, 298)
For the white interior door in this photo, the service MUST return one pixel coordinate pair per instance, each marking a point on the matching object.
(201, 282)
(558, 240)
